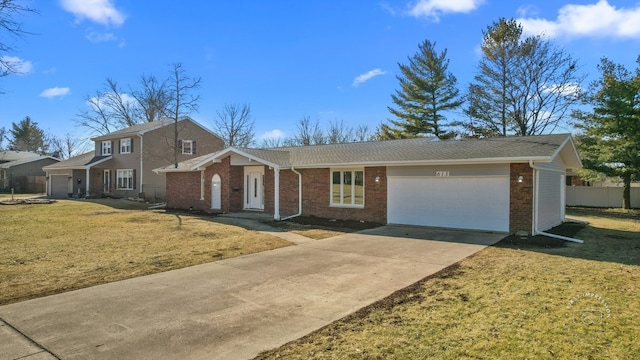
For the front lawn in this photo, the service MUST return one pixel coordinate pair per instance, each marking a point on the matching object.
(71, 244)
(509, 301)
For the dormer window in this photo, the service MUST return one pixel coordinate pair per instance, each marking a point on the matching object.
(106, 148)
(125, 146)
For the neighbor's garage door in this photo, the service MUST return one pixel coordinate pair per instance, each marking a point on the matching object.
(480, 203)
(59, 186)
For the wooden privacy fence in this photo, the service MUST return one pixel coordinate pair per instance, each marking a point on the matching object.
(600, 196)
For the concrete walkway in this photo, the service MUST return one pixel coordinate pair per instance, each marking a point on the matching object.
(234, 308)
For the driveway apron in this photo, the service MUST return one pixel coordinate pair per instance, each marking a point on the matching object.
(234, 308)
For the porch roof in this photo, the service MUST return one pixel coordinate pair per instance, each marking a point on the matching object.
(541, 148)
(84, 161)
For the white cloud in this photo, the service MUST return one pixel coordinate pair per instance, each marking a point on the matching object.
(434, 8)
(55, 91)
(15, 65)
(594, 20)
(273, 134)
(571, 89)
(367, 76)
(99, 11)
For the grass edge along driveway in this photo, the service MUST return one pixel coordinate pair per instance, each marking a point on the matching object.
(515, 301)
(67, 245)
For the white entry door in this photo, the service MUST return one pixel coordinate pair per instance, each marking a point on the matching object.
(216, 192)
(254, 187)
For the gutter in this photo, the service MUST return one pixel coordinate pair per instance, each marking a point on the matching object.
(535, 211)
(299, 196)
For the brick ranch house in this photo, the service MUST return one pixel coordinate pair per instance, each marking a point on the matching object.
(506, 184)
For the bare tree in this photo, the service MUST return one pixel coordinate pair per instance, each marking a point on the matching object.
(181, 88)
(272, 143)
(235, 125)
(308, 133)
(339, 133)
(153, 98)
(123, 107)
(98, 117)
(9, 11)
(525, 85)
(67, 147)
(362, 133)
(3, 134)
(109, 109)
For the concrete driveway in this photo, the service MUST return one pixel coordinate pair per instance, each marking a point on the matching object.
(234, 308)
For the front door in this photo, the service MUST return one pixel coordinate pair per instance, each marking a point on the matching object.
(254, 185)
(106, 181)
(216, 192)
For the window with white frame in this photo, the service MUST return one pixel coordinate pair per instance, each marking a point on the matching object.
(347, 187)
(187, 147)
(124, 179)
(106, 147)
(125, 146)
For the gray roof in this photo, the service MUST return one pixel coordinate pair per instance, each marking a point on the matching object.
(12, 155)
(78, 162)
(426, 149)
(135, 129)
(404, 152)
(25, 160)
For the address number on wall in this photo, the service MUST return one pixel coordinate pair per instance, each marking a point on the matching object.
(442, 173)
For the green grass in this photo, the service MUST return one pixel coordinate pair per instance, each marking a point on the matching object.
(573, 301)
(51, 248)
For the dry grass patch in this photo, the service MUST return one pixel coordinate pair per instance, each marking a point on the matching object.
(506, 302)
(47, 249)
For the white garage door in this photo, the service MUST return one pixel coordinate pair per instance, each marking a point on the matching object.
(465, 202)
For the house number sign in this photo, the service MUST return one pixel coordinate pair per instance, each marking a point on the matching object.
(442, 173)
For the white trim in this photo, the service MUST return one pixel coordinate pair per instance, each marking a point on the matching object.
(202, 185)
(120, 145)
(190, 147)
(353, 172)
(103, 147)
(118, 177)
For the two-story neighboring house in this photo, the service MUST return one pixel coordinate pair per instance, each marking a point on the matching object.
(122, 163)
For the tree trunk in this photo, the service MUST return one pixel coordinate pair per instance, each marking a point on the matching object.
(626, 191)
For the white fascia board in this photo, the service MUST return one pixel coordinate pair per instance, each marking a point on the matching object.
(430, 162)
(574, 150)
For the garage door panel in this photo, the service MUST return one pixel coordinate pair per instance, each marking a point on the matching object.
(466, 203)
(59, 186)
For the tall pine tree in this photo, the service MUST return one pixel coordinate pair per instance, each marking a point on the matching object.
(427, 91)
(610, 142)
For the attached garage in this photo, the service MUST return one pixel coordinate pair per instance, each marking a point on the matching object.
(452, 197)
(59, 186)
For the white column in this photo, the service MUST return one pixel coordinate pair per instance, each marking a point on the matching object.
(276, 193)
(202, 185)
(88, 182)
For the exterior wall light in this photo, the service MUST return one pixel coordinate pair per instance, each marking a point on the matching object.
(377, 179)
(520, 178)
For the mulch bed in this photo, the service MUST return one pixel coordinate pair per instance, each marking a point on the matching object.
(27, 201)
(333, 223)
(568, 229)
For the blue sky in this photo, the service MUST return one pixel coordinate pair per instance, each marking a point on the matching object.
(329, 60)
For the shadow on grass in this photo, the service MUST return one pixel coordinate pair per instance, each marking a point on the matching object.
(600, 244)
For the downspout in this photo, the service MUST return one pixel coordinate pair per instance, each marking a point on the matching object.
(276, 194)
(299, 196)
(141, 164)
(535, 210)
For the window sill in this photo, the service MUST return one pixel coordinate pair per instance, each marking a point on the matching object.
(347, 206)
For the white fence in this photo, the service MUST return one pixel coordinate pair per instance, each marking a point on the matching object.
(600, 196)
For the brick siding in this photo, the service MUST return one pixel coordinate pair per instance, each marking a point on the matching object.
(521, 199)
